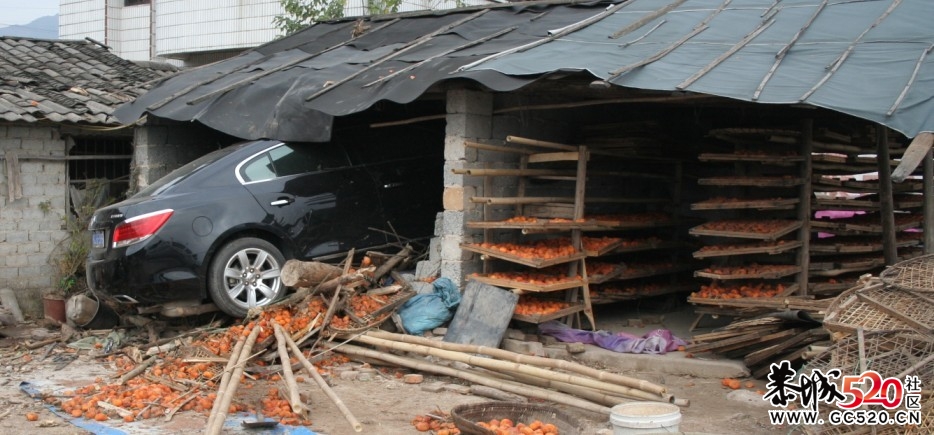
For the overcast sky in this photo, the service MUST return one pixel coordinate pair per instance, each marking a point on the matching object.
(24, 11)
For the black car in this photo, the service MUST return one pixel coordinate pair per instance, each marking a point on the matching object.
(222, 226)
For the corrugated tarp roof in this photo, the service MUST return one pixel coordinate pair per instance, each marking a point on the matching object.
(867, 58)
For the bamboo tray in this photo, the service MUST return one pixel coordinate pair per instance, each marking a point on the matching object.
(604, 297)
(869, 223)
(751, 181)
(832, 184)
(540, 318)
(610, 247)
(532, 262)
(564, 285)
(647, 246)
(755, 248)
(635, 272)
(602, 278)
(789, 227)
(757, 158)
(758, 204)
(785, 270)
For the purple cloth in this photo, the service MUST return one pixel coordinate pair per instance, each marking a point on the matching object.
(658, 341)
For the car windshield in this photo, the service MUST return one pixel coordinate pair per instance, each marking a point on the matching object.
(183, 172)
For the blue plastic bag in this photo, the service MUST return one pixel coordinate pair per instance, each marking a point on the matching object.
(425, 312)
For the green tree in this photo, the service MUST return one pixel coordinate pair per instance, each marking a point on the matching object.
(299, 14)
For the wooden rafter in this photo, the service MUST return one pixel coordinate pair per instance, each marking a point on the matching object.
(911, 80)
(726, 55)
(781, 54)
(646, 19)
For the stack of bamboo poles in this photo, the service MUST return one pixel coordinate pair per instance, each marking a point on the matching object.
(559, 381)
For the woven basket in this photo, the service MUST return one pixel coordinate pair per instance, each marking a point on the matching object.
(466, 416)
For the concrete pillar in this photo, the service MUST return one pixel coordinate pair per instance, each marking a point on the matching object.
(469, 117)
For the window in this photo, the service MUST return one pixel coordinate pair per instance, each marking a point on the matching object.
(135, 2)
(293, 159)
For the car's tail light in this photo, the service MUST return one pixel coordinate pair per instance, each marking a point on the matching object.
(139, 228)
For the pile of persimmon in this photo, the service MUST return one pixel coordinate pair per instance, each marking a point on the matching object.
(765, 226)
(750, 269)
(173, 383)
(425, 423)
(521, 220)
(598, 243)
(597, 268)
(275, 406)
(738, 291)
(632, 290)
(543, 249)
(543, 277)
(363, 305)
(642, 268)
(506, 426)
(531, 305)
(632, 243)
(635, 218)
(756, 245)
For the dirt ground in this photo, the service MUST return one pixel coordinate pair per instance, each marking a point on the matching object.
(383, 403)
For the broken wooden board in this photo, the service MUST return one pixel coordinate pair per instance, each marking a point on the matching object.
(482, 316)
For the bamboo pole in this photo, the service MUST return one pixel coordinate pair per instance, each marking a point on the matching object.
(225, 377)
(357, 427)
(493, 364)
(137, 370)
(525, 390)
(295, 401)
(640, 384)
(225, 397)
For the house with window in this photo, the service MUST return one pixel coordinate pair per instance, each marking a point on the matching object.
(63, 154)
(191, 32)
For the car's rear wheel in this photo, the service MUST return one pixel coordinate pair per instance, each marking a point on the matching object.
(245, 274)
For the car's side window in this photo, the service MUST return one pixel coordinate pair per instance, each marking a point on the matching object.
(292, 159)
(259, 169)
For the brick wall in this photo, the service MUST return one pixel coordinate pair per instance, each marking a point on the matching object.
(31, 226)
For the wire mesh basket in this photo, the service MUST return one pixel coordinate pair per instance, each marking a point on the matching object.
(915, 274)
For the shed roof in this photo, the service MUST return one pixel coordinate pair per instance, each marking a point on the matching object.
(67, 81)
(867, 58)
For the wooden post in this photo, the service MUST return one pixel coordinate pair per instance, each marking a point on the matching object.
(886, 200)
(928, 206)
(804, 206)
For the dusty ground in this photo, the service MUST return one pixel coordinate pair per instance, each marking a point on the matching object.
(381, 402)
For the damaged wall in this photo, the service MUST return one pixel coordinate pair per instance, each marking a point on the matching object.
(161, 146)
(31, 223)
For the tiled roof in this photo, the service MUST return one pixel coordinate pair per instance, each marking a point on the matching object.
(67, 81)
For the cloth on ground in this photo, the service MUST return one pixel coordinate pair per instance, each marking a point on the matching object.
(658, 341)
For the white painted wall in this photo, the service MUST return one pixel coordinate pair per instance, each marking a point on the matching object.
(185, 28)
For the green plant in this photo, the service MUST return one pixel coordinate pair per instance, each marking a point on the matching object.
(71, 252)
(45, 207)
(302, 13)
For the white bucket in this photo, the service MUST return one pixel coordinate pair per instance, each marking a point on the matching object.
(645, 418)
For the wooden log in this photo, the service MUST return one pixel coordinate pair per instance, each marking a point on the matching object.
(392, 262)
(323, 384)
(528, 391)
(506, 355)
(295, 401)
(297, 273)
(498, 365)
(140, 368)
(226, 397)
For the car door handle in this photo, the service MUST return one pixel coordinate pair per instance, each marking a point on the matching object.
(281, 201)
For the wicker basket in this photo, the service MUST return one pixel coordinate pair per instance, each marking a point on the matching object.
(466, 416)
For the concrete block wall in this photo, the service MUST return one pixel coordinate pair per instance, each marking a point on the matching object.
(160, 147)
(470, 117)
(32, 226)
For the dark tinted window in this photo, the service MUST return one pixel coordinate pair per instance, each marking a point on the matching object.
(293, 159)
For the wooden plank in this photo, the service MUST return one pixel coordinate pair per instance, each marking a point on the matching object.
(532, 262)
(913, 156)
(540, 318)
(742, 341)
(570, 156)
(758, 204)
(750, 157)
(750, 181)
(763, 275)
(763, 249)
(482, 315)
(886, 199)
(787, 228)
(757, 357)
(564, 285)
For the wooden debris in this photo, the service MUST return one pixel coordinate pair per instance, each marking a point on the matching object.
(226, 391)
